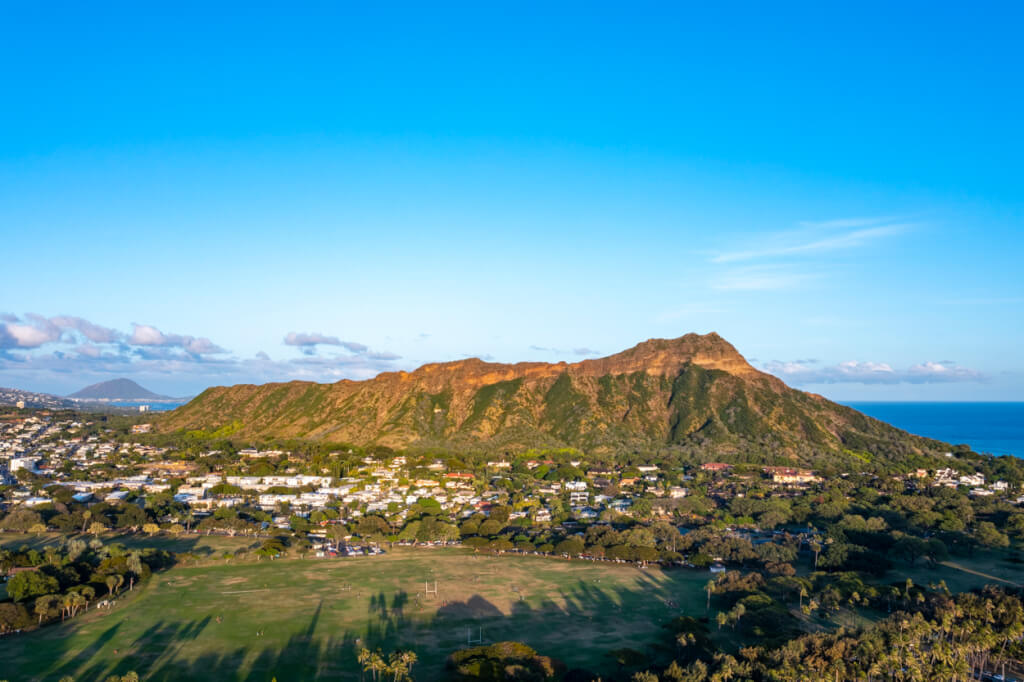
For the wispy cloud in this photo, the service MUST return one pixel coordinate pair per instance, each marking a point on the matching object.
(760, 278)
(802, 372)
(985, 301)
(848, 223)
(817, 237)
(581, 351)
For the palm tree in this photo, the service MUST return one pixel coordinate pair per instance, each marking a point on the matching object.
(727, 668)
(135, 567)
(88, 594)
(372, 661)
(45, 604)
(65, 606)
(363, 657)
(710, 586)
(111, 582)
(378, 665)
(409, 659)
(76, 600)
(396, 667)
(736, 614)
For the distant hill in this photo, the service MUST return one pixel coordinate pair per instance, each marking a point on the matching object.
(116, 389)
(30, 399)
(695, 393)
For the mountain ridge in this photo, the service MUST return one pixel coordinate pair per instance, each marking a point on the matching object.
(653, 356)
(695, 392)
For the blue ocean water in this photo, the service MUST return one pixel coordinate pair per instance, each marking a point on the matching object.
(996, 428)
(153, 407)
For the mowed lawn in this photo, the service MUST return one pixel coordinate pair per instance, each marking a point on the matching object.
(304, 619)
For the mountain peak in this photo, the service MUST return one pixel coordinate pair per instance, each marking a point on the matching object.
(116, 389)
(668, 356)
(655, 357)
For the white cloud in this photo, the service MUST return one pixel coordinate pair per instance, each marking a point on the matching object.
(301, 339)
(33, 346)
(804, 372)
(307, 343)
(943, 371)
(89, 351)
(92, 332)
(147, 335)
(32, 335)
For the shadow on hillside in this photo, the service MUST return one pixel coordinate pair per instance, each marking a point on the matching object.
(394, 622)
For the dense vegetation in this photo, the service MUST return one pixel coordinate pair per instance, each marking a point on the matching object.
(63, 580)
(795, 557)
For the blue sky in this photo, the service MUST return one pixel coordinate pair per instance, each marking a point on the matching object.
(190, 197)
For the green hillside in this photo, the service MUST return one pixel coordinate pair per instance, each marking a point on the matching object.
(694, 393)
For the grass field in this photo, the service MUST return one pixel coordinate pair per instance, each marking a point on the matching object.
(304, 619)
(199, 623)
(966, 573)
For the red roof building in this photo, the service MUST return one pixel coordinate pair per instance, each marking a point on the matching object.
(715, 466)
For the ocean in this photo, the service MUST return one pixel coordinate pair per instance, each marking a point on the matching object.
(996, 428)
(153, 407)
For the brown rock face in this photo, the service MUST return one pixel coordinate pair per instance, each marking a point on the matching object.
(695, 391)
(666, 357)
(655, 357)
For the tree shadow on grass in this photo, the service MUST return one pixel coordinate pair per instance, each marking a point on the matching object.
(589, 617)
(88, 653)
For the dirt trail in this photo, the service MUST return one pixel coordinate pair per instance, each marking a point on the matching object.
(958, 567)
